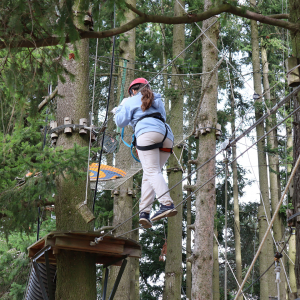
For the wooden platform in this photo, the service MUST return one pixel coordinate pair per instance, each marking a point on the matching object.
(109, 251)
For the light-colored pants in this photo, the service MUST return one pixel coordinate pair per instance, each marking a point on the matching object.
(152, 163)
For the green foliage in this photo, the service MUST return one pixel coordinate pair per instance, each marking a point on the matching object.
(20, 193)
(283, 208)
(14, 268)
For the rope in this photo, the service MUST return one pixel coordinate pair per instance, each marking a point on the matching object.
(265, 270)
(91, 125)
(44, 144)
(193, 172)
(193, 193)
(270, 225)
(106, 114)
(169, 50)
(265, 211)
(218, 49)
(226, 262)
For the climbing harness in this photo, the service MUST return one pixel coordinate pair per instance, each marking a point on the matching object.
(149, 147)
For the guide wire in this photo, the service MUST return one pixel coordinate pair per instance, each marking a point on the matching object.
(230, 267)
(266, 269)
(193, 172)
(269, 226)
(265, 211)
(106, 114)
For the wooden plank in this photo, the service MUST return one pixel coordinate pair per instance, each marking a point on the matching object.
(106, 260)
(38, 244)
(84, 245)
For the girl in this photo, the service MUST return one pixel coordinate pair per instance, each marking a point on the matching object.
(145, 112)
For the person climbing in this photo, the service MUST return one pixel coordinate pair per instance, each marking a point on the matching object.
(145, 112)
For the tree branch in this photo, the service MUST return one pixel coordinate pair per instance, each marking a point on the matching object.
(144, 18)
(279, 16)
(47, 99)
(135, 10)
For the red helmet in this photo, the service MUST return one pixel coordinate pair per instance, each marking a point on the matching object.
(136, 81)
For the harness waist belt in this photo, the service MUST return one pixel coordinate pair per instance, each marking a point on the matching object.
(157, 145)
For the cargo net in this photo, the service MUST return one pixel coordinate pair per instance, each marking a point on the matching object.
(166, 84)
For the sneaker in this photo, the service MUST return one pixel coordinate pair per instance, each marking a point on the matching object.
(144, 220)
(165, 211)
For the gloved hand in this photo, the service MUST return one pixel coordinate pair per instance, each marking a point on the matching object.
(114, 110)
(124, 100)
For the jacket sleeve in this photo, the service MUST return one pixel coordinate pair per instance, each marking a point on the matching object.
(123, 116)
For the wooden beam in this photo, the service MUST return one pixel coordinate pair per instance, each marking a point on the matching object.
(84, 245)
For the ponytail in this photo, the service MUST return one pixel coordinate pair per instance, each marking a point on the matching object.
(147, 98)
(147, 95)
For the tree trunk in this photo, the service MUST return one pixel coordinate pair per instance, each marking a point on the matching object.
(123, 201)
(292, 241)
(236, 208)
(173, 269)
(273, 163)
(295, 38)
(202, 268)
(266, 258)
(189, 231)
(216, 273)
(76, 271)
(164, 60)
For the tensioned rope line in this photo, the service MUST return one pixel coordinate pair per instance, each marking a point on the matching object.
(91, 125)
(230, 267)
(106, 114)
(159, 73)
(229, 145)
(192, 194)
(160, 64)
(265, 116)
(170, 74)
(152, 72)
(265, 211)
(228, 62)
(170, 63)
(241, 76)
(266, 269)
(163, 33)
(271, 223)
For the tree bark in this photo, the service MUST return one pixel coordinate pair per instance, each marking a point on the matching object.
(202, 268)
(173, 269)
(76, 271)
(236, 208)
(266, 257)
(123, 201)
(294, 6)
(216, 273)
(292, 241)
(273, 163)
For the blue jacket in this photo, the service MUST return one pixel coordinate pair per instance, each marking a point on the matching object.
(131, 111)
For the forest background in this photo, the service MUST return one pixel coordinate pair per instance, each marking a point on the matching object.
(27, 73)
